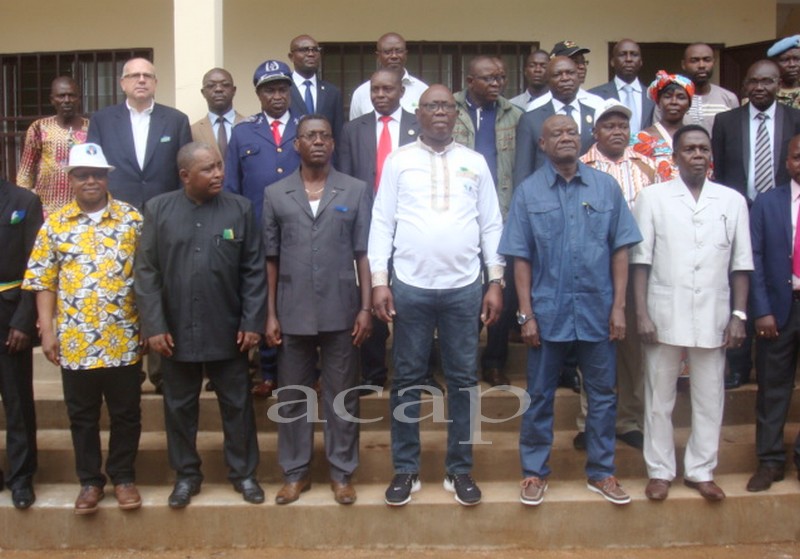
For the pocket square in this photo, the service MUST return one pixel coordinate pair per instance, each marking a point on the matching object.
(17, 216)
(165, 139)
(341, 208)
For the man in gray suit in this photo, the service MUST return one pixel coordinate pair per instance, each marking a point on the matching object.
(626, 60)
(562, 76)
(316, 223)
(358, 157)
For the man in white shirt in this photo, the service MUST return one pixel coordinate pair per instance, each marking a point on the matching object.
(577, 54)
(435, 214)
(391, 53)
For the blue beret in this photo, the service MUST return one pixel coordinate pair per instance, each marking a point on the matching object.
(271, 71)
(783, 45)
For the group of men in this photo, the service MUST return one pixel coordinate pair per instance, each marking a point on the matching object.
(304, 236)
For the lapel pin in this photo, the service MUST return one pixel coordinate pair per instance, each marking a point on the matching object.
(589, 119)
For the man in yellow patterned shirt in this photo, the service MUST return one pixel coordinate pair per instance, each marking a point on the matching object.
(81, 269)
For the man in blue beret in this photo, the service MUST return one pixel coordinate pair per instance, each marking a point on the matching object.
(786, 54)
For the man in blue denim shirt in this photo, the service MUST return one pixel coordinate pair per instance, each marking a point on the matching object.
(568, 230)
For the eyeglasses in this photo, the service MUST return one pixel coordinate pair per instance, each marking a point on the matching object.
(312, 136)
(390, 52)
(83, 176)
(308, 50)
(765, 82)
(488, 80)
(139, 76)
(432, 108)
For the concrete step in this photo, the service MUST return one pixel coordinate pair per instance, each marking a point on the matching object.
(570, 517)
(496, 460)
(496, 405)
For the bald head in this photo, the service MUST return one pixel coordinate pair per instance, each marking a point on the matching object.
(305, 55)
(560, 140)
(626, 60)
(218, 90)
(391, 51)
(437, 116)
(761, 84)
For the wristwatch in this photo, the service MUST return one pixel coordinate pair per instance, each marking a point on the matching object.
(523, 318)
(499, 281)
(741, 315)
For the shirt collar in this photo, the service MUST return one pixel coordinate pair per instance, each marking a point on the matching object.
(770, 111)
(635, 84)
(298, 81)
(284, 119)
(72, 210)
(148, 111)
(229, 117)
(795, 190)
(396, 115)
(558, 105)
(553, 177)
(472, 106)
(429, 149)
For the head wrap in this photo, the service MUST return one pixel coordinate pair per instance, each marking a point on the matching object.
(663, 80)
(787, 43)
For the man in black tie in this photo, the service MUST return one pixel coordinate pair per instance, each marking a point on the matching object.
(310, 94)
(214, 129)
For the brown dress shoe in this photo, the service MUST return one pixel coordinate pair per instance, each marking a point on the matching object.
(657, 489)
(127, 496)
(708, 489)
(495, 377)
(264, 389)
(764, 476)
(343, 492)
(290, 492)
(88, 498)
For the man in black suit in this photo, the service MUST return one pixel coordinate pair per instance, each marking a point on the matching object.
(358, 157)
(775, 304)
(141, 139)
(20, 219)
(310, 94)
(739, 164)
(563, 80)
(626, 61)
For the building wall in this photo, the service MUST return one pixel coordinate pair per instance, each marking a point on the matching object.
(259, 29)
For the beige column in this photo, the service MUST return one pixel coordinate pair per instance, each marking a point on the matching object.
(198, 48)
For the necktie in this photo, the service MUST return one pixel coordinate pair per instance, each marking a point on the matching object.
(308, 97)
(763, 175)
(276, 131)
(630, 102)
(222, 136)
(384, 149)
(569, 110)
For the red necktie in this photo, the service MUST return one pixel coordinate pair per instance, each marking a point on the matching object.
(796, 251)
(276, 131)
(384, 149)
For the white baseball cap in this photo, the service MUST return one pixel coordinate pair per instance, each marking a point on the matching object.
(87, 155)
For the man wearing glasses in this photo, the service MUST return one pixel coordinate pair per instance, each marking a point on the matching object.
(391, 53)
(311, 95)
(435, 214)
(487, 123)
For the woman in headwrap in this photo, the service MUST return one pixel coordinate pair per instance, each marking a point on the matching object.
(672, 93)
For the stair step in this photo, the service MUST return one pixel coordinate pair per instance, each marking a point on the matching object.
(570, 517)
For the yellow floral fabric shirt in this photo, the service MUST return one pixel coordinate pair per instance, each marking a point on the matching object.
(89, 265)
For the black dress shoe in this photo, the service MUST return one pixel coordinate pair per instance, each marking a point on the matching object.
(569, 378)
(23, 497)
(250, 490)
(182, 493)
(632, 438)
(735, 380)
(764, 477)
(495, 377)
(579, 442)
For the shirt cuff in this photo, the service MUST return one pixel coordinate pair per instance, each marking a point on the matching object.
(380, 279)
(495, 272)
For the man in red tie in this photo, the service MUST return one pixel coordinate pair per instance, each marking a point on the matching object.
(365, 143)
(261, 152)
(775, 298)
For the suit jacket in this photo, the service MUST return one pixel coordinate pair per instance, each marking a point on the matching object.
(169, 131)
(730, 142)
(529, 157)
(254, 161)
(771, 234)
(203, 131)
(329, 104)
(358, 146)
(317, 290)
(609, 91)
(20, 220)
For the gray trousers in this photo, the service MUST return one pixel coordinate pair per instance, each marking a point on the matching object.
(297, 362)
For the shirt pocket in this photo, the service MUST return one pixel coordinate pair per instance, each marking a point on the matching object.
(723, 232)
(247, 151)
(226, 253)
(547, 220)
(598, 217)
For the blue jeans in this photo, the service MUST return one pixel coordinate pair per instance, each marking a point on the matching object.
(419, 312)
(597, 362)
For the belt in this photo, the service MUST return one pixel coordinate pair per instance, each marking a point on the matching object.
(9, 285)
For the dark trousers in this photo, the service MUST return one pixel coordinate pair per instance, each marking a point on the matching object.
(84, 392)
(16, 390)
(373, 355)
(182, 384)
(297, 360)
(495, 354)
(775, 386)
